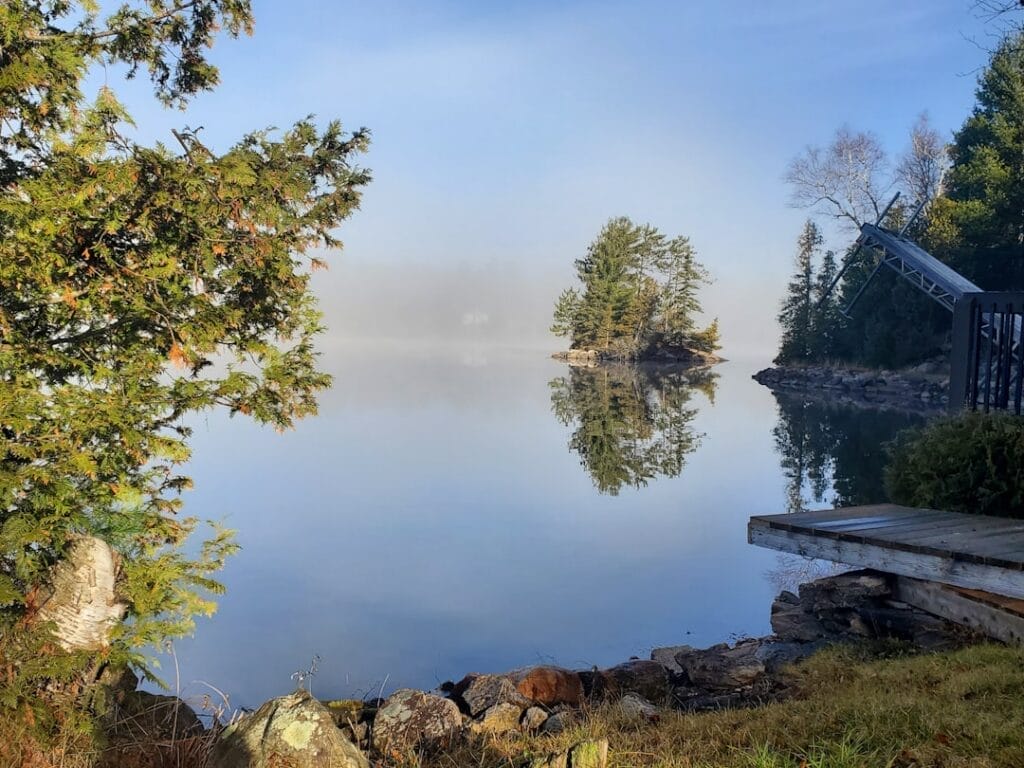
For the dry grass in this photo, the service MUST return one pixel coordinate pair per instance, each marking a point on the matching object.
(932, 711)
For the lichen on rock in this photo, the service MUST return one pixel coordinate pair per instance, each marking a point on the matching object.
(294, 730)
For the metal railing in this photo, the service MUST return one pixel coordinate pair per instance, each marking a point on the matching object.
(987, 371)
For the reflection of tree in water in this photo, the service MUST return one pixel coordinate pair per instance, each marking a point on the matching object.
(631, 423)
(826, 447)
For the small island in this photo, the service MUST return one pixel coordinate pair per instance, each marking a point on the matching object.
(637, 301)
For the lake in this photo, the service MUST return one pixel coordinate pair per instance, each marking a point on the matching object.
(458, 509)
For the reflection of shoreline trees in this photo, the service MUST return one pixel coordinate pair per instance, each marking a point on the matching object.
(632, 424)
(825, 447)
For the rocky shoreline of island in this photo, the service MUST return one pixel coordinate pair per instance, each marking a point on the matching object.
(663, 355)
(544, 700)
(923, 388)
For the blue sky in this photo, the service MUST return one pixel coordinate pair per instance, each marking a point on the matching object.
(505, 134)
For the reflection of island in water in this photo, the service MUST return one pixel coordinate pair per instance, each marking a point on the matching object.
(632, 423)
(826, 447)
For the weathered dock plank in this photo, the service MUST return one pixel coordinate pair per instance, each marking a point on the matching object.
(980, 610)
(982, 553)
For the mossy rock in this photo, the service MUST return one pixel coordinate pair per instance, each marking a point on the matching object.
(345, 711)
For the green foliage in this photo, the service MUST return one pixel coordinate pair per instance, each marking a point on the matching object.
(707, 340)
(567, 310)
(894, 325)
(825, 317)
(810, 317)
(985, 186)
(140, 285)
(798, 305)
(630, 425)
(639, 288)
(970, 463)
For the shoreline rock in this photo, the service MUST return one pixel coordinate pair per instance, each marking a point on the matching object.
(294, 730)
(924, 388)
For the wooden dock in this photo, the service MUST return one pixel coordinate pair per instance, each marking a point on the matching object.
(970, 551)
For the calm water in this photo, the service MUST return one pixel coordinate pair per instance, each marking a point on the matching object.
(456, 510)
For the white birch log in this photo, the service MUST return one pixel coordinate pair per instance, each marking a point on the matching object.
(82, 601)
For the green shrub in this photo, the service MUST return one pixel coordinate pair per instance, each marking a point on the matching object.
(969, 463)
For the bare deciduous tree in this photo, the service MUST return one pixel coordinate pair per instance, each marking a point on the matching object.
(994, 10)
(847, 180)
(922, 167)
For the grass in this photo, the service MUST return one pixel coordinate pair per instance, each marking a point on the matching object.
(954, 710)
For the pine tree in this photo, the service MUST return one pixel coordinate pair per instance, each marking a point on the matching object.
(796, 315)
(680, 300)
(566, 311)
(825, 317)
(979, 226)
(605, 316)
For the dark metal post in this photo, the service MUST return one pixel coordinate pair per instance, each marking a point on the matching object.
(852, 257)
(963, 316)
(863, 287)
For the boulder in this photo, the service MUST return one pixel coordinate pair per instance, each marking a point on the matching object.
(358, 734)
(533, 719)
(558, 722)
(829, 607)
(722, 668)
(549, 686)
(295, 730)
(141, 715)
(858, 604)
(589, 754)
(792, 622)
(410, 719)
(667, 657)
(146, 730)
(649, 679)
(847, 590)
(586, 754)
(501, 718)
(118, 682)
(689, 700)
(477, 693)
(345, 711)
(637, 707)
(916, 627)
(775, 654)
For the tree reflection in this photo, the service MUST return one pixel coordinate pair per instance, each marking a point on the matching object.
(632, 424)
(840, 449)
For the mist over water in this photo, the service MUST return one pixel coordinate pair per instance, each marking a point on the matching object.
(439, 517)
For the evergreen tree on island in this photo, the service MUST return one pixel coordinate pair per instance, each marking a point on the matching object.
(639, 297)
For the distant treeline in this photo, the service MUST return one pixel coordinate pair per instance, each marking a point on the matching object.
(973, 220)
